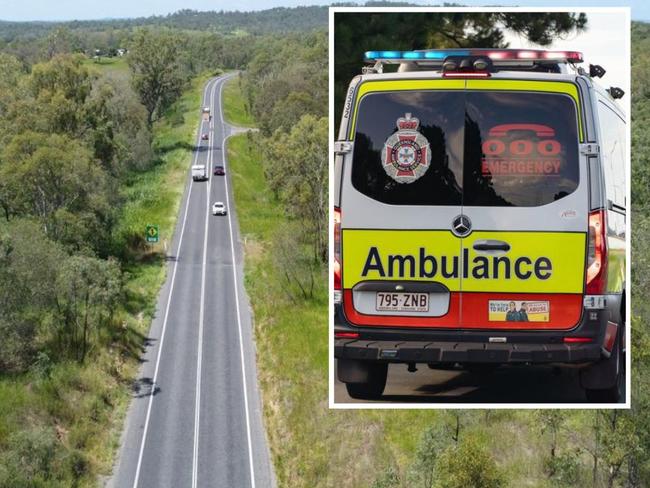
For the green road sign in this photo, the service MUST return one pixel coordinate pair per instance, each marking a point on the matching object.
(152, 233)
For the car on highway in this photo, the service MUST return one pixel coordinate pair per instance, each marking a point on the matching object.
(205, 136)
(219, 170)
(218, 208)
(480, 217)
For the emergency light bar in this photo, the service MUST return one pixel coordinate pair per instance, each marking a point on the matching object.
(496, 55)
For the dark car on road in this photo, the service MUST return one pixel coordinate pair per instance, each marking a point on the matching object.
(219, 170)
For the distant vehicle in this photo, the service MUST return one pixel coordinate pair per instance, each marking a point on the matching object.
(219, 170)
(199, 172)
(205, 137)
(206, 110)
(218, 208)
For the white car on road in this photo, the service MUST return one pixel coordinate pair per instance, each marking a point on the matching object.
(218, 208)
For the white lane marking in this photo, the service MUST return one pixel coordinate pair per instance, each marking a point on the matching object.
(169, 300)
(199, 356)
(234, 272)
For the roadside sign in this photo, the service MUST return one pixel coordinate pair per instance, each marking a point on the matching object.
(151, 233)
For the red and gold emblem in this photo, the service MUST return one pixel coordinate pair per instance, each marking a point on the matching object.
(406, 155)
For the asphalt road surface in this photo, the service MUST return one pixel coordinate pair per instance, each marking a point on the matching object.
(507, 384)
(196, 419)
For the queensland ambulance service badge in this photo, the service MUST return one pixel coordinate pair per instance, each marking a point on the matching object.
(406, 155)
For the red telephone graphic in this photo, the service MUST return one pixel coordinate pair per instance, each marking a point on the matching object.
(539, 129)
(521, 147)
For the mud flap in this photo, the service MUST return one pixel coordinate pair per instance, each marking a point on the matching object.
(354, 371)
(603, 374)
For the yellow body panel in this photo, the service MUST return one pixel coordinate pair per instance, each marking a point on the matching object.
(537, 262)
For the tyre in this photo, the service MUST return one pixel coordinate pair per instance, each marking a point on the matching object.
(373, 388)
(616, 392)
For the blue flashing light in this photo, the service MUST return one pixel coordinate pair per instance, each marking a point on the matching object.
(424, 54)
(435, 55)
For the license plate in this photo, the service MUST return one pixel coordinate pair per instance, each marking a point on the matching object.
(402, 302)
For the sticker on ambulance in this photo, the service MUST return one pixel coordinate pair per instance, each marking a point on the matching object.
(511, 151)
(518, 311)
(406, 155)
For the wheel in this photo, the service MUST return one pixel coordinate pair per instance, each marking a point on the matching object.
(373, 388)
(616, 392)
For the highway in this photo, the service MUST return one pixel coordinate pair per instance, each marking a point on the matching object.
(196, 419)
(507, 384)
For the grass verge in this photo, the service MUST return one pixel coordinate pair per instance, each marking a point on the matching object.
(236, 111)
(60, 424)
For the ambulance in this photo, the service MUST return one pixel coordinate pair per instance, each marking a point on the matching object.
(479, 220)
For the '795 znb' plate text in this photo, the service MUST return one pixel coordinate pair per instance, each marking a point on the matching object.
(402, 302)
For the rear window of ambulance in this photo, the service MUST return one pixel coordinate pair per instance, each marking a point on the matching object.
(440, 118)
(521, 149)
(476, 148)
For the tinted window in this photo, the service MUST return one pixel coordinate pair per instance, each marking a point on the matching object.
(428, 158)
(521, 149)
(466, 148)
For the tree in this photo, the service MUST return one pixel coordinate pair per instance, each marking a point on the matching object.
(61, 41)
(59, 88)
(433, 442)
(87, 292)
(119, 134)
(468, 464)
(356, 33)
(297, 171)
(26, 290)
(55, 178)
(551, 422)
(155, 58)
(620, 442)
(293, 260)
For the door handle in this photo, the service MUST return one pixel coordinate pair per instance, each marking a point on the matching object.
(491, 245)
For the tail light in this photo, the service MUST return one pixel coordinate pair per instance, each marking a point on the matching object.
(597, 254)
(337, 255)
(346, 335)
(577, 340)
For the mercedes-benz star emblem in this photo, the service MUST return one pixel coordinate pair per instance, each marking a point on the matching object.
(461, 225)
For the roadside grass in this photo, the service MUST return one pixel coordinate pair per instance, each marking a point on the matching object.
(61, 423)
(236, 111)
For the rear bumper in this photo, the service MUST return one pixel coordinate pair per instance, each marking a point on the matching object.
(464, 352)
(449, 346)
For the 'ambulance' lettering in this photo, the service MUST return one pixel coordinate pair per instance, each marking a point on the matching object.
(425, 265)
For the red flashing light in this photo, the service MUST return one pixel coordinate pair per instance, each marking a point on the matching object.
(533, 54)
(597, 254)
(346, 335)
(574, 340)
